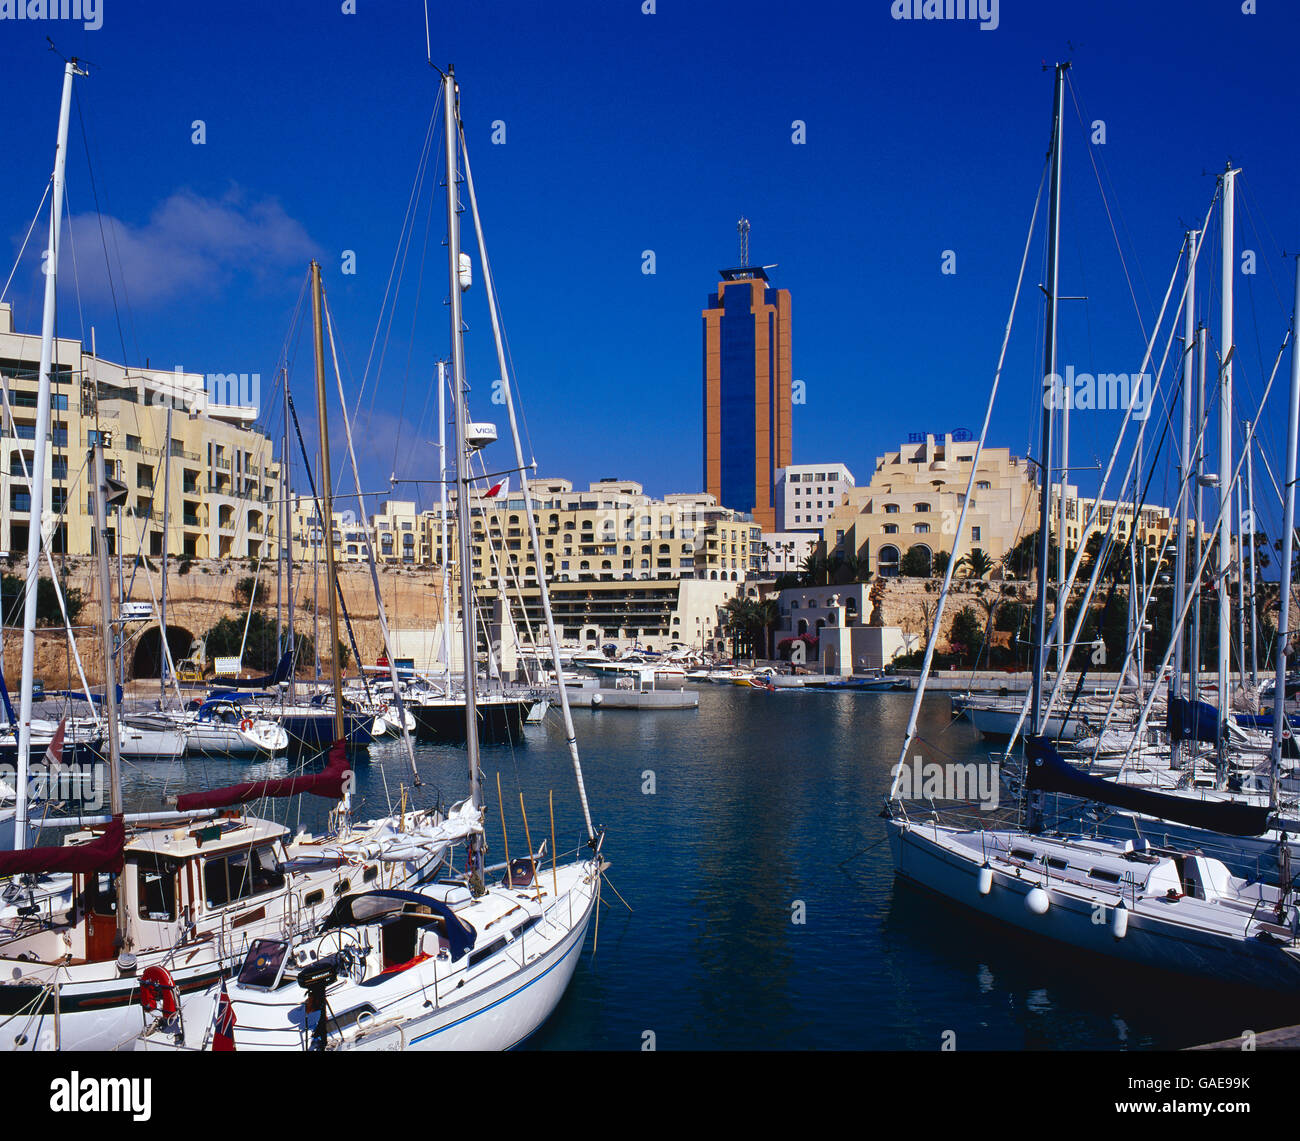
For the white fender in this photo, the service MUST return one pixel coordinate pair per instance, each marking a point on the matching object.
(1037, 901)
(1119, 921)
(985, 881)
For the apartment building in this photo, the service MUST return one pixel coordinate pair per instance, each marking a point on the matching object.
(207, 489)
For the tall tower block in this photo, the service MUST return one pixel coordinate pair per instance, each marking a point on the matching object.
(746, 388)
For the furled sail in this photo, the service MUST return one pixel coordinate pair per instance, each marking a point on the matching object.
(266, 681)
(327, 783)
(103, 854)
(1047, 771)
(1192, 722)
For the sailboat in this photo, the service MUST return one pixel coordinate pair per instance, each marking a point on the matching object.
(1173, 908)
(477, 960)
(131, 900)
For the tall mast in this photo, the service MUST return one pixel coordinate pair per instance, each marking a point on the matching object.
(104, 494)
(1225, 451)
(1036, 723)
(1194, 678)
(39, 470)
(1284, 602)
(465, 557)
(286, 478)
(530, 514)
(1184, 465)
(327, 501)
(162, 605)
(442, 497)
(1248, 524)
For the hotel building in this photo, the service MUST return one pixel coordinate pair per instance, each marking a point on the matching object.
(915, 499)
(747, 392)
(222, 483)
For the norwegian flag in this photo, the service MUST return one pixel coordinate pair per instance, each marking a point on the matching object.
(223, 1035)
(502, 488)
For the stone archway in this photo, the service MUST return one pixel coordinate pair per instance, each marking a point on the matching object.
(147, 659)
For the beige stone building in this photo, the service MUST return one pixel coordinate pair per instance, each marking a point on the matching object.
(216, 471)
(612, 532)
(915, 499)
(1154, 524)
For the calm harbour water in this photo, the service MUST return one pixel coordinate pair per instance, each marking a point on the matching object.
(766, 808)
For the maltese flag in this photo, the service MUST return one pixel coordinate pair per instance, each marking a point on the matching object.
(502, 488)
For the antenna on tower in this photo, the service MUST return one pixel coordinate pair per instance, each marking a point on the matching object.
(742, 227)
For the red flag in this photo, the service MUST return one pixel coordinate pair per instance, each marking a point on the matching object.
(54, 754)
(497, 489)
(223, 1036)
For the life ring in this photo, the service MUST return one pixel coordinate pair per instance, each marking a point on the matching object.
(157, 989)
(246, 724)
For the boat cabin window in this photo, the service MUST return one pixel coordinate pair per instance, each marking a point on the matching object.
(239, 875)
(155, 889)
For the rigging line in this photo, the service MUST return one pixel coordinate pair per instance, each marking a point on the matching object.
(910, 733)
(1092, 158)
(327, 535)
(415, 315)
(1250, 217)
(391, 285)
(99, 216)
(27, 237)
(1148, 351)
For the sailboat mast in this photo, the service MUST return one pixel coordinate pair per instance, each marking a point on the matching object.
(464, 554)
(1050, 377)
(442, 498)
(102, 494)
(1288, 535)
(529, 512)
(1248, 524)
(286, 479)
(327, 501)
(162, 605)
(1225, 450)
(39, 469)
(1195, 673)
(1185, 463)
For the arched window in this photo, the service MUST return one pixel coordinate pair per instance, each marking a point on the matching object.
(887, 561)
(891, 508)
(890, 528)
(921, 507)
(921, 529)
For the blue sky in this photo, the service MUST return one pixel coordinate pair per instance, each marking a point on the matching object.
(628, 132)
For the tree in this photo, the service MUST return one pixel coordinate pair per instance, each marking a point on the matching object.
(916, 563)
(248, 590)
(966, 636)
(977, 564)
(939, 564)
(13, 588)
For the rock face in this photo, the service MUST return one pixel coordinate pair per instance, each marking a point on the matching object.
(204, 595)
(911, 603)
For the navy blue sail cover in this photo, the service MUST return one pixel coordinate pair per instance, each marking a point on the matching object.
(1047, 771)
(1192, 722)
(367, 906)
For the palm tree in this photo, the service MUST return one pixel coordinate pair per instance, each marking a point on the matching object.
(977, 564)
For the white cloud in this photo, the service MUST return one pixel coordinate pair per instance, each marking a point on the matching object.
(189, 244)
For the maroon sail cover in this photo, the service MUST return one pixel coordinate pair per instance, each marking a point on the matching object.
(101, 855)
(327, 783)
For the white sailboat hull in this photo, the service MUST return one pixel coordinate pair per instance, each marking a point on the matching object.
(1156, 935)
